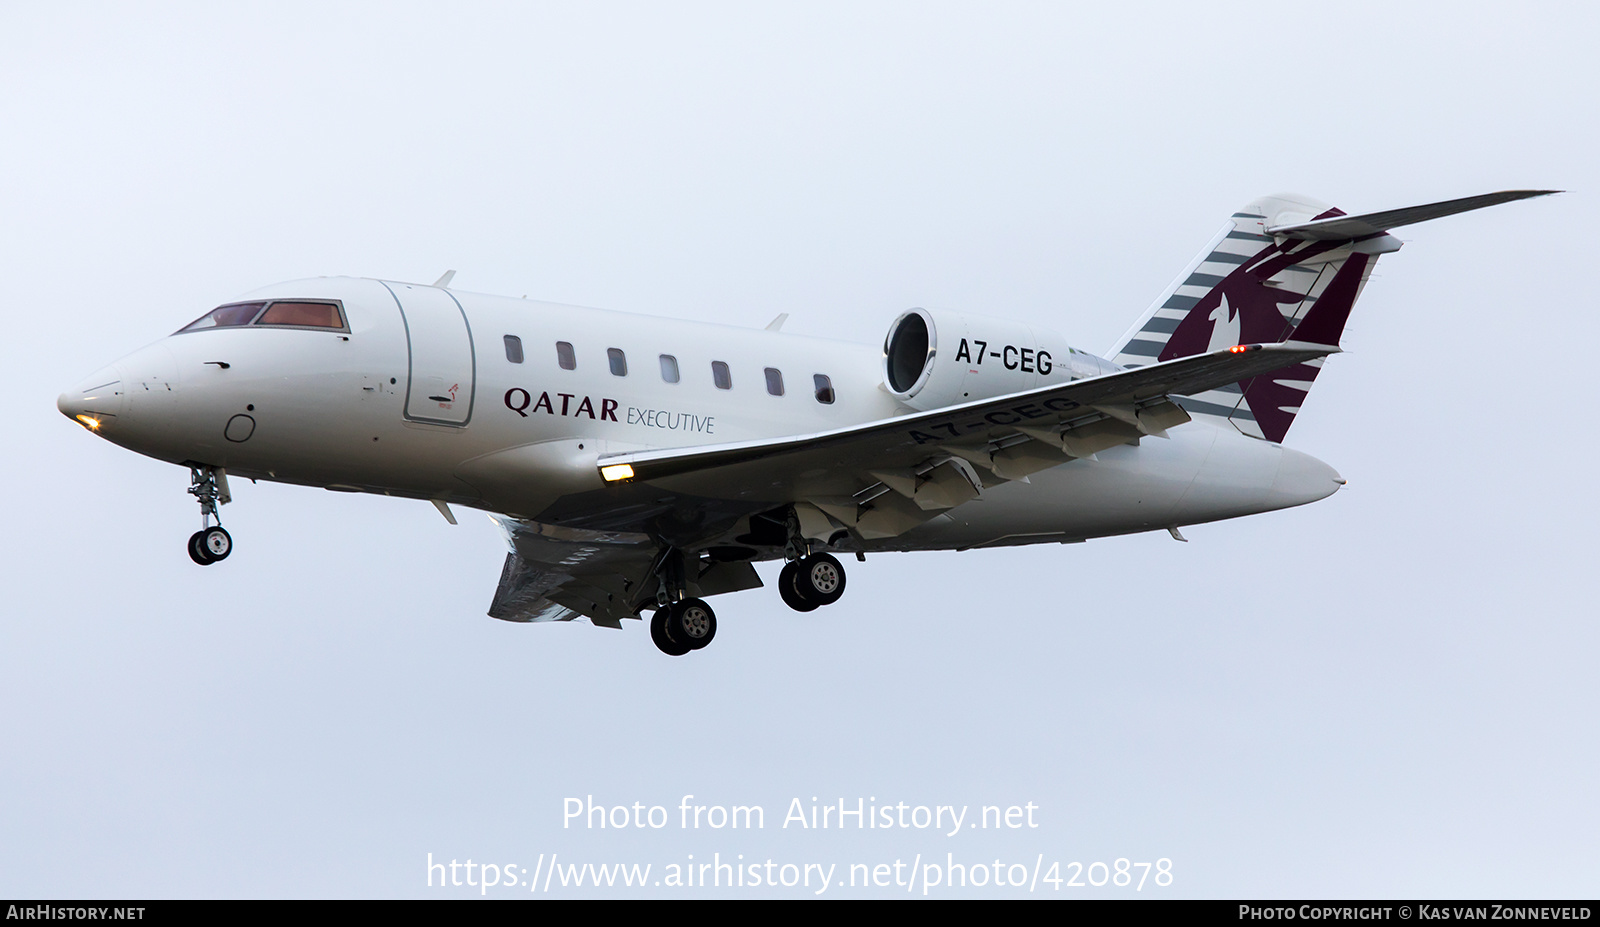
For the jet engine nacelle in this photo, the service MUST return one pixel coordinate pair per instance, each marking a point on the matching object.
(934, 358)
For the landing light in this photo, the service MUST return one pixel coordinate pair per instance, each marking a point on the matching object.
(89, 422)
(616, 472)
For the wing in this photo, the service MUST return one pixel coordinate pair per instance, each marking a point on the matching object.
(553, 573)
(883, 478)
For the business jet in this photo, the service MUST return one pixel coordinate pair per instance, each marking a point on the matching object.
(641, 464)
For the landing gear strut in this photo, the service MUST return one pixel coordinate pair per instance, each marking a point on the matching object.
(209, 486)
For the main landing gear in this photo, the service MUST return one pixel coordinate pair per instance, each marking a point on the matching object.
(811, 582)
(683, 626)
(681, 623)
(209, 486)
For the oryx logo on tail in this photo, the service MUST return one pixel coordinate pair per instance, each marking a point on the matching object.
(1224, 327)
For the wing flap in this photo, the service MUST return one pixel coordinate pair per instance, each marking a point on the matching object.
(521, 594)
(559, 574)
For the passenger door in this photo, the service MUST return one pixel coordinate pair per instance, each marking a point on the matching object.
(443, 368)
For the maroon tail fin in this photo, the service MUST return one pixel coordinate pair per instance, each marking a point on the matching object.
(1283, 268)
(1252, 287)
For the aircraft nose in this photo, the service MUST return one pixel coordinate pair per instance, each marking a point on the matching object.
(70, 404)
(1302, 478)
(96, 402)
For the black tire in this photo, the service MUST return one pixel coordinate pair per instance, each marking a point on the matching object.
(216, 543)
(658, 633)
(820, 579)
(789, 588)
(197, 553)
(692, 623)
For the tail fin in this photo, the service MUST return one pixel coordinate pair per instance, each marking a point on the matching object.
(1282, 268)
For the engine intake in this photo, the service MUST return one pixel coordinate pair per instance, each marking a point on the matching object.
(934, 358)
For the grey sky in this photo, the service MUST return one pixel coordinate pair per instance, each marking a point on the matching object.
(1390, 692)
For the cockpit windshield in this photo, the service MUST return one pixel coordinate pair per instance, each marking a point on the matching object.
(283, 313)
(225, 317)
(310, 315)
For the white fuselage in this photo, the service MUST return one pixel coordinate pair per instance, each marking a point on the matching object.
(421, 398)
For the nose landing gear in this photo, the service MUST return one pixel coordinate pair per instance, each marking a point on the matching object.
(208, 546)
(209, 486)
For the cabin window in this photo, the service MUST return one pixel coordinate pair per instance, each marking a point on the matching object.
(824, 388)
(721, 376)
(669, 368)
(619, 362)
(514, 349)
(565, 356)
(774, 381)
(228, 316)
(302, 315)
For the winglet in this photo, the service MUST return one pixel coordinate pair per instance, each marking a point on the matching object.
(444, 281)
(777, 323)
(1344, 228)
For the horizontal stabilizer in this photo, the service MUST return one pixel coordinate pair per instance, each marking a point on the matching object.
(1344, 228)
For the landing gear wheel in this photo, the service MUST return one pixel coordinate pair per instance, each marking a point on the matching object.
(658, 633)
(691, 623)
(215, 543)
(198, 553)
(820, 579)
(789, 591)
